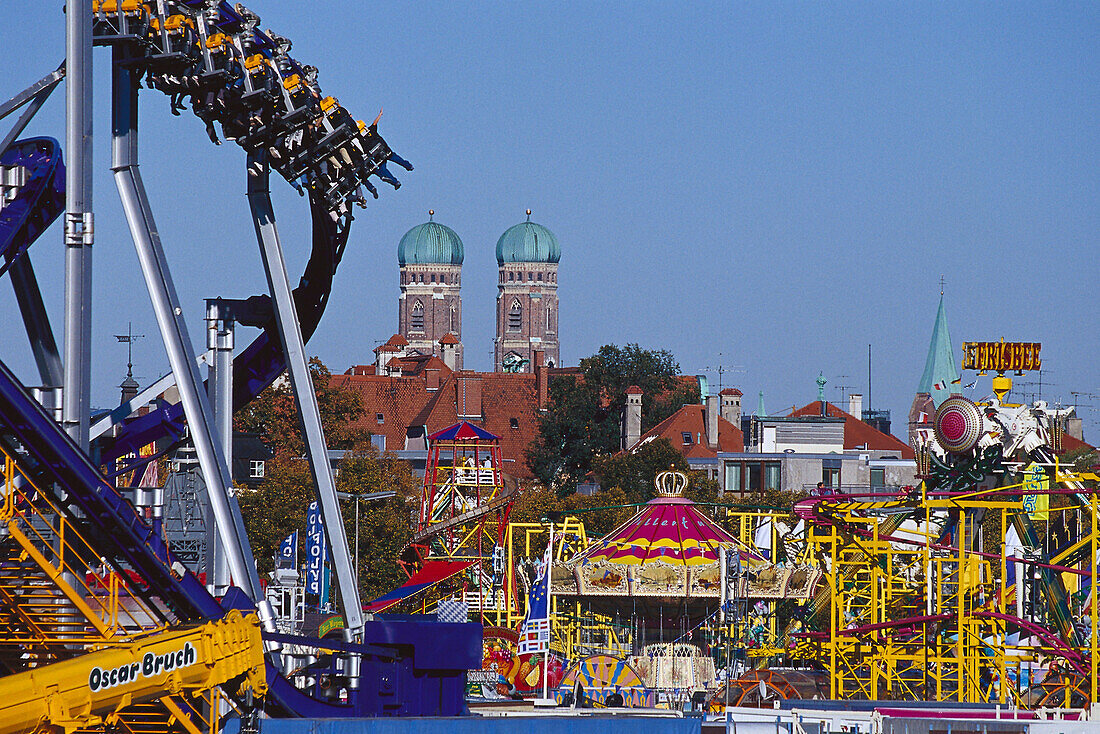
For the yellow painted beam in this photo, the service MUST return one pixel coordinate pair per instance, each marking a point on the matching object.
(84, 690)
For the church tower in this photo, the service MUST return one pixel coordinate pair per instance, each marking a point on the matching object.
(939, 381)
(430, 305)
(527, 297)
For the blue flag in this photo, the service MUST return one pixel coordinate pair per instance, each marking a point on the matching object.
(288, 552)
(316, 550)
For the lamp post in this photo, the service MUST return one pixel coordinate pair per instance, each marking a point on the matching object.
(364, 497)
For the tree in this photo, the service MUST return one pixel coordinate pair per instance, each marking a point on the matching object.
(583, 420)
(274, 415)
(385, 525)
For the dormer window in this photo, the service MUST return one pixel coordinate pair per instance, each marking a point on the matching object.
(686, 437)
(513, 423)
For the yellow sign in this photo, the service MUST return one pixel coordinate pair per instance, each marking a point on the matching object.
(1001, 356)
(1036, 484)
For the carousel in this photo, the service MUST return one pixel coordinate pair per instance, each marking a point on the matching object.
(673, 576)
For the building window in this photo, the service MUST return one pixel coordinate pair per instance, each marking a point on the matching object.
(379, 418)
(540, 277)
(256, 469)
(686, 437)
(732, 480)
(550, 319)
(878, 477)
(511, 276)
(773, 475)
(451, 320)
(513, 423)
(830, 476)
(416, 323)
(530, 277)
(433, 277)
(515, 316)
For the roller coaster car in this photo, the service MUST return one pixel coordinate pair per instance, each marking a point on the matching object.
(115, 21)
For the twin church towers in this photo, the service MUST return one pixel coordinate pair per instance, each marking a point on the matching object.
(429, 310)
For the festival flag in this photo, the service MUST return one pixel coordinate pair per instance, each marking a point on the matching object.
(957, 381)
(534, 635)
(939, 385)
(316, 551)
(288, 552)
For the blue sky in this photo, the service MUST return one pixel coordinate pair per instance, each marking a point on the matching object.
(768, 186)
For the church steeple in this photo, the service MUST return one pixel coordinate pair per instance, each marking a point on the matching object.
(940, 368)
(939, 380)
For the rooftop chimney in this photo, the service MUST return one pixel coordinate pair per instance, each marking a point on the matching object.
(710, 418)
(542, 379)
(730, 401)
(855, 405)
(632, 417)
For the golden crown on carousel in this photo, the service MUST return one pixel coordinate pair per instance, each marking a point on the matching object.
(670, 483)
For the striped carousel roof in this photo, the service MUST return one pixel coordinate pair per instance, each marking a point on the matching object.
(669, 529)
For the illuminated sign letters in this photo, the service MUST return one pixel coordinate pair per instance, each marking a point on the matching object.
(1001, 356)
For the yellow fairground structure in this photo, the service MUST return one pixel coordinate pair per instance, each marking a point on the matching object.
(916, 614)
(92, 653)
(176, 667)
(921, 597)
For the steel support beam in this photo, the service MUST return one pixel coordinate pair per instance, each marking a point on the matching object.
(220, 328)
(177, 343)
(294, 350)
(79, 232)
(37, 323)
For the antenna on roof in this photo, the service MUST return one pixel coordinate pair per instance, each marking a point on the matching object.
(843, 388)
(721, 369)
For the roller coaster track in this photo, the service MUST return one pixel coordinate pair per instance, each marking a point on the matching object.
(825, 511)
(208, 55)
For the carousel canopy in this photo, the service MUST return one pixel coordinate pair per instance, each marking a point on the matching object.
(671, 549)
(669, 529)
(463, 431)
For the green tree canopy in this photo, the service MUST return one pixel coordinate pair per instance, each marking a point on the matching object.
(583, 420)
(274, 415)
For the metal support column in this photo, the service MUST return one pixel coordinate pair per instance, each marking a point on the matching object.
(294, 350)
(37, 323)
(173, 329)
(220, 327)
(78, 222)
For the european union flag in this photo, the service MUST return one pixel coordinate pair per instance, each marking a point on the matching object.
(534, 635)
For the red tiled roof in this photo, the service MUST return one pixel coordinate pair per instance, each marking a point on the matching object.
(449, 338)
(397, 399)
(634, 390)
(1070, 443)
(406, 401)
(731, 391)
(690, 419)
(858, 434)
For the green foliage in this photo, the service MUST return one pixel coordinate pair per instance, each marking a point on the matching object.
(385, 525)
(584, 417)
(633, 473)
(274, 415)
(277, 507)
